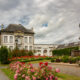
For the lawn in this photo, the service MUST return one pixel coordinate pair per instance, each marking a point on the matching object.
(61, 76)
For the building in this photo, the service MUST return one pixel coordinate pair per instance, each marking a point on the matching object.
(17, 35)
(44, 49)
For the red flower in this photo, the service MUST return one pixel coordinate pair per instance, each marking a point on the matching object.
(40, 63)
(23, 63)
(46, 63)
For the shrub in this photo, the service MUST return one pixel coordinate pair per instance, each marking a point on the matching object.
(30, 53)
(65, 59)
(73, 60)
(4, 55)
(29, 72)
(65, 51)
(54, 59)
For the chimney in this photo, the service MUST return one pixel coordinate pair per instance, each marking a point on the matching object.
(2, 26)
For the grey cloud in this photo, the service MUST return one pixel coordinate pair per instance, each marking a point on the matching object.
(8, 4)
(62, 16)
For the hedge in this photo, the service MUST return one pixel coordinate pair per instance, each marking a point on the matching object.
(65, 51)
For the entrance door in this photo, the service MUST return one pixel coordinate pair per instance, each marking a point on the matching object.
(45, 52)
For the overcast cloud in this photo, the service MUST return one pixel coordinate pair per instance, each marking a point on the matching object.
(54, 21)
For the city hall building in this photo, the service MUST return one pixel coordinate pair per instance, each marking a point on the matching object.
(17, 35)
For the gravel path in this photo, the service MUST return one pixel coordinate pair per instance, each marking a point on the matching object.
(70, 69)
(3, 76)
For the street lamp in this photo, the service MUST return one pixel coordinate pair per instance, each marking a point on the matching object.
(16, 41)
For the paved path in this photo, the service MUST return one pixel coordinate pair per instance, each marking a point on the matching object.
(71, 69)
(3, 76)
(68, 69)
(64, 68)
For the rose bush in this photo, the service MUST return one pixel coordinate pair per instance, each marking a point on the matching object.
(29, 72)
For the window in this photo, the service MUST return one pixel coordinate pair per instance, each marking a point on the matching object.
(5, 39)
(30, 48)
(11, 39)
(26, 47)
(25, 39)
(19, 41)
(30, 39)
(38, 47)
(11, 47)
(38, 50)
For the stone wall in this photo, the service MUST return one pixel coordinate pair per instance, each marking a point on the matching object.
(75, 53)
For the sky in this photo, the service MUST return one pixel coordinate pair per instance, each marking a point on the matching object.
(54, 21)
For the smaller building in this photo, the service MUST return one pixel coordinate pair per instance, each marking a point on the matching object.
(44, 49)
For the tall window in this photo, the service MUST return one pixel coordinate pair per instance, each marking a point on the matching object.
(11, 39)
(11, 47)
(26, 47)
(30, 48)
(25, 39)
(5, 39)
(30, 39)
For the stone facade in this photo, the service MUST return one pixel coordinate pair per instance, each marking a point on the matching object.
(25, 38)
(17, 35)
(44, 49)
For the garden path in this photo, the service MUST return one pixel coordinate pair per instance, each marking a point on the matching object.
(3, 76)
(71, 69)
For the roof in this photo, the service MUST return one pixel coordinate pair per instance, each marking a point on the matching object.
(17, 27)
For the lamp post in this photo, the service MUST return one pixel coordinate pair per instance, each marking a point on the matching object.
(16, 41)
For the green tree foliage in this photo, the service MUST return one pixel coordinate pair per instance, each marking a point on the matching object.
(4, 55)
(65, 51)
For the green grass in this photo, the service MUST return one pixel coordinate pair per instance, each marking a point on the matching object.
(39, 61)
(61, 76)
(67, 77)
(9, 73)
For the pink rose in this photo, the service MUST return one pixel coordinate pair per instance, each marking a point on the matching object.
(46, 78)
(23, 75)
(27, 78)
(49, 67)
(15, 76)
(32, 70)
(56, 78)
(34, 78)
(57, 70)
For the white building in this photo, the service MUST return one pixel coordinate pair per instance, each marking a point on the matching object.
(17, 35)
(44, 49)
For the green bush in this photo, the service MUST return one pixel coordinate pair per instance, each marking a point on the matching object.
(48, 58)
(65, 59)
(18, 53)
(30, 53)
(4, 55)
(65, 51)
(54, 59)
(73, 60)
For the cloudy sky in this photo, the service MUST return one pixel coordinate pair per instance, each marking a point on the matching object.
(54, 21)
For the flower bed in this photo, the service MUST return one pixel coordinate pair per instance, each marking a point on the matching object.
(29, 72)
(65, 59)
(30, 58)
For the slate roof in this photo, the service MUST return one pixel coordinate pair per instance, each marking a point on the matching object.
(16, 27)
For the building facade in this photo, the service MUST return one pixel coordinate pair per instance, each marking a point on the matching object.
(17, 35)
(44, 49)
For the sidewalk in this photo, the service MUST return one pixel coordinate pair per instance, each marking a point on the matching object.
(3, 76)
